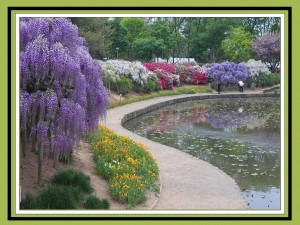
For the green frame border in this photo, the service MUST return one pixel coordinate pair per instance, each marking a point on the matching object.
(13, 155)
(4, 81)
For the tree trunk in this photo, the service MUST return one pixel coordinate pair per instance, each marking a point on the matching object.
(24, 143)
(40, 164)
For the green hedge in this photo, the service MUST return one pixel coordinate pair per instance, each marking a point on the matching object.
(267, 80)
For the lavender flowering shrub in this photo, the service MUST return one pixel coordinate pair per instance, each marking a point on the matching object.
(228, 72)
(61, 94)
(267, 48)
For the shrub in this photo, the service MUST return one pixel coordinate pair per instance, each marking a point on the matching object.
(149, 86)
(92, 202)
(123, 85)
(134, 70)
(73, 178)
(256, 68)
(228, 72)
(29, 202)
(52, 197)
(268, 80)
(168, 67)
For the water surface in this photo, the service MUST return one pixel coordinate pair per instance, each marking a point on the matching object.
(240, 136)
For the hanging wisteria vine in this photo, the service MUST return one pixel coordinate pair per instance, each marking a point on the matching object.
(61, 94)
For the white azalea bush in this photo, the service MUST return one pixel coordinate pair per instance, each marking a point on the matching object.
(116, 73)
(109, 76)
(134, 70)
(256, 69)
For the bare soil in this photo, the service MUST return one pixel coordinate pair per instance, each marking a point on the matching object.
(83, 161)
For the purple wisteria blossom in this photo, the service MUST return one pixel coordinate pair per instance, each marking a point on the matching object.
(61, 93)
(228, 72)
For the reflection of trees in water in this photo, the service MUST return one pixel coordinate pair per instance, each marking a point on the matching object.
(244, 114)
(170, 118)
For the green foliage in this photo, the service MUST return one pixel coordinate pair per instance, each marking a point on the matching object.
(93, 202)
(73, 178)
(208, 34)
(137, 87)
(160, 31)
(149, 86)
(264, 80)
(52, 197)
(134, 27)
(67, 190)
(143, 48)
(119, 39)
(28, 202)
(122, 85)
(98, 33)
(238, 47)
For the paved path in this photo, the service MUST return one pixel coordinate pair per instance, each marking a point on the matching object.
(187, 182)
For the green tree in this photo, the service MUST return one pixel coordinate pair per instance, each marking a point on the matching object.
(206, 45)
(237, 47)
(161, 32)
(119, 39)
(97, 33)
(133, 26)
(145, 48)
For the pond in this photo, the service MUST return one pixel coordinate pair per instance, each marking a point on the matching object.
(240, 136)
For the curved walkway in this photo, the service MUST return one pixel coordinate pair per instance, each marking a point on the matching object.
(187, 182)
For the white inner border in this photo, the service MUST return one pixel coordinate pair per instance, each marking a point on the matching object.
(129, 212)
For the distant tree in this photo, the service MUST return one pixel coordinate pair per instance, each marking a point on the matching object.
(145, 48)
(260, 25)
(161, 32)
(119, 39)
(97, 33)
(237, 47)
(208, 34)
(267, 49)
(133, 26)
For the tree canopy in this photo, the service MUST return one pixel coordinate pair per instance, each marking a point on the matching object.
(206, 39)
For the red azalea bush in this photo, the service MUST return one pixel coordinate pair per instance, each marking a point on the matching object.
(197, 76)
(164, 78)
(188, 73)
(168, 67)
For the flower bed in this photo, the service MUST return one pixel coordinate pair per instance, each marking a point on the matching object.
(128, 166)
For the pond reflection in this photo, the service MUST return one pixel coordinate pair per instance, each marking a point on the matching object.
(240, 136)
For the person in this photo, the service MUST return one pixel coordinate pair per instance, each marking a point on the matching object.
(241, 86)
(219, 86)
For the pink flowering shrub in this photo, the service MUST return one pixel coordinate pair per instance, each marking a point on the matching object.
(164, 78)
(191, 73)
(168, 67)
